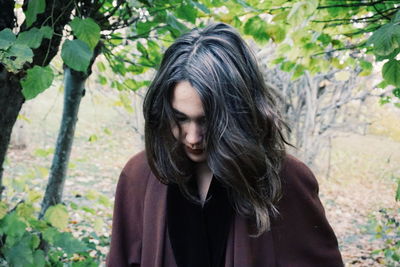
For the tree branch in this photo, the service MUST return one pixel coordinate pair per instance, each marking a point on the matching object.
(353, 5)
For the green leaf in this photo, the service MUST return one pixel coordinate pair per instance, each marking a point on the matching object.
(335, 12)
(385, 39)
(298, 72)
(34, 196)
(276, 33)
(281, 16)
(74, 206)
(115, 39)
(86, 30)
(76, 54)
(135, 85)
(391, 72)
(89, 210)
(39, 259)
(136, 69)
(278, 60)
(91, 195)
(287, 66)
(39, 225)
(186, 12)
(20, 254)
(301, 11)
(68, 243)
(35, 7)
(93, 138)
(50, 234)
(25, 210)
(21, 54)
(35, 241)
(325, 39)
(43, 152)
(119, 67)
(143, 28)
(47, 32)
(396, 92)
(31, 38)
(257, 28)
(154, 51)
(201, 7)
(396, 17)
(36, 81)
(18, 55)
(7, 38)
(384, 100)
(12, 226)
(389, 56)
(57, 215)
(107, 131)
(366, 67)
(101, 67)
(102, 80)
(105, 201)
(177, 27)
(140, 47)
(383, 84)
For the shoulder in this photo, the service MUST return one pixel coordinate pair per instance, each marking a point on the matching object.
(135, 175)
(137, 164)
(297, 176)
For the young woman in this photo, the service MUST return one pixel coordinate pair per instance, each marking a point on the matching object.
(214, 186)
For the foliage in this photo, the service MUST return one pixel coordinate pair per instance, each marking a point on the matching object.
(315, 36)
(58, 239)
(385, 226)
(13, 55)
(28, 241)
(70, 234)
(37, 80)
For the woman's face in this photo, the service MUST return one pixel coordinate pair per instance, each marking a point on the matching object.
(189, 114)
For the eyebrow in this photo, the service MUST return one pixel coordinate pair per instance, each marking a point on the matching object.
(177, 112)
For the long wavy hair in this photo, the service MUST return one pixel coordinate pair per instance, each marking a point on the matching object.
(244, 137)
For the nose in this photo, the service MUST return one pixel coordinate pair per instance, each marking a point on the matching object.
(194, 134)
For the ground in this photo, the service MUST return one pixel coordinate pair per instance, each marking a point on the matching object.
(359, 180)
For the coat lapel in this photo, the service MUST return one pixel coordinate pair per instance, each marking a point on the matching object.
(242, 250)
(154, 223)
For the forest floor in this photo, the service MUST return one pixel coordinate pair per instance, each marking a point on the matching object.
(359, 181)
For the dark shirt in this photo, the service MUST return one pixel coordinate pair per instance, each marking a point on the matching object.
(199, 234)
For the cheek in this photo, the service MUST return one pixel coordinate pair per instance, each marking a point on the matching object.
(175, 131)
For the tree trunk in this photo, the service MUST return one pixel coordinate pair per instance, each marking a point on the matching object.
(73, 92)
(11, 100)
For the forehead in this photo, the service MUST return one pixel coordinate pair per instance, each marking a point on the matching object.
(185, 99)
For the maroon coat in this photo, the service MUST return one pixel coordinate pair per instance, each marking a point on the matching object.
(300, 236)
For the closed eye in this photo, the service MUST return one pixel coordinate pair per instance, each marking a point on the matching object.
(202, 121)
(180, 118)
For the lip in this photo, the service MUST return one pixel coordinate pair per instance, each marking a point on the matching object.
(195, 151)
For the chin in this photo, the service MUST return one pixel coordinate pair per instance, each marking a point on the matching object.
(197, 158)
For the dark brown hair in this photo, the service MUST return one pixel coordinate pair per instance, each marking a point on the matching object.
(244, 140)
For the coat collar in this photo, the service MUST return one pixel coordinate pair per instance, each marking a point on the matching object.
(241, 248)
